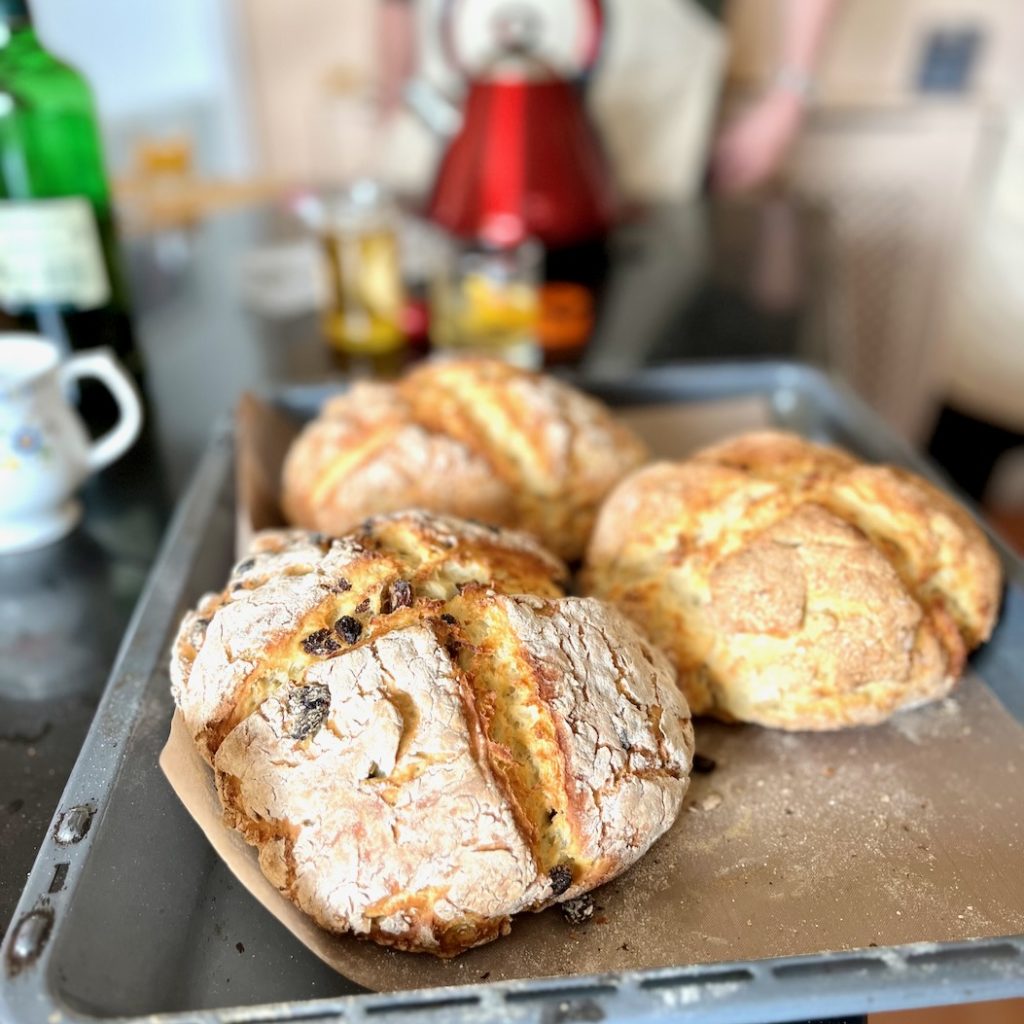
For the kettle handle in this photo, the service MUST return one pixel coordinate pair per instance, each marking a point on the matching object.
(592, 37)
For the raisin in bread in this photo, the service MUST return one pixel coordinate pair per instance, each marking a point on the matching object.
(421, 735)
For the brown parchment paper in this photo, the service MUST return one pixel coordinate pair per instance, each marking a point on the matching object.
(262, 436)
(795, 843)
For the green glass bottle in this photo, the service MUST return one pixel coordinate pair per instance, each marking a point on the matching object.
(59, 268)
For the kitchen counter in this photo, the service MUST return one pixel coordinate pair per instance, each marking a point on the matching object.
(683, 283)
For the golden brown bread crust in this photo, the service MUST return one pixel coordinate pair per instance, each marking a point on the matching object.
(794, 586)
(477, 438)
(295, 582)
(446, 755)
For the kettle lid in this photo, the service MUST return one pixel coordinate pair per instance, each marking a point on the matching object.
(517, 33)
(517, 52)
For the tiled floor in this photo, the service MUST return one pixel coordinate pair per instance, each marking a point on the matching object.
(1010, 1011)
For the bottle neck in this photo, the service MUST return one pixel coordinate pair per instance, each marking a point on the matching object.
(14, 18)
(15, 32)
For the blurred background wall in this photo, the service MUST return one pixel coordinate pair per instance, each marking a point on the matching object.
(910, 132)
(161, 68)
(914, 142)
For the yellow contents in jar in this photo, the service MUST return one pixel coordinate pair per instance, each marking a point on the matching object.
(365, 295)
(483, 313)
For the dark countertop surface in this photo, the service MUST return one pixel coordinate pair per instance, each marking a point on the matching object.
(683, 283)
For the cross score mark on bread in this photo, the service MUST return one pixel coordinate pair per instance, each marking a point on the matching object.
(417, 753)
(476, 438)
(793, 585)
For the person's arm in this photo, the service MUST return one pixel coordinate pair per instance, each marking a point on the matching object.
(805, 24)
(752, 148)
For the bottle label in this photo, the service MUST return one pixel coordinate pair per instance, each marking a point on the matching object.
(50, 252)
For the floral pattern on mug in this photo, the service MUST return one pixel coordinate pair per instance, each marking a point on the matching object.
(28, 442)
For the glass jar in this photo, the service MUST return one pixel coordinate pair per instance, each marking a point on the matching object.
(484, 299)
(365, 297)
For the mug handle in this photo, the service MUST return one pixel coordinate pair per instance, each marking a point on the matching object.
(101, 364)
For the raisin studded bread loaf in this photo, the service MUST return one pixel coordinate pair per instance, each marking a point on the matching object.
(476, 438)
(793, 585)
(417, 752)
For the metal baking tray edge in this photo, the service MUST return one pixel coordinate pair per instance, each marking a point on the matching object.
(828, 984)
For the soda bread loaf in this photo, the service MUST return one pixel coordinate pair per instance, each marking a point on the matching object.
(476, 438)
(795, 586)
(422, 735)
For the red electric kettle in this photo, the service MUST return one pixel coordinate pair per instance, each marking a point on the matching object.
(525, 161)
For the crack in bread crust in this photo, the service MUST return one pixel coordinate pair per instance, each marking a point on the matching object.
(292, 586)
(398, 786)
(522, 742)
(794, 586)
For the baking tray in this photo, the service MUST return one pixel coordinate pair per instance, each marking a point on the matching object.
(128, 913)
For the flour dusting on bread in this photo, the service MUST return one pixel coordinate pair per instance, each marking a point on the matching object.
(422, 735)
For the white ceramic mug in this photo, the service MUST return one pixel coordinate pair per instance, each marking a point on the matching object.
(45, 452)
